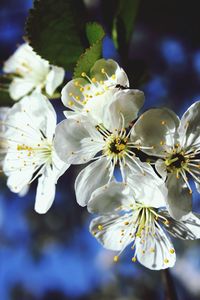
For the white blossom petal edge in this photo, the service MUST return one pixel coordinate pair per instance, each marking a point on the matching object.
(30, 72)
(127, 217)
(30, 132)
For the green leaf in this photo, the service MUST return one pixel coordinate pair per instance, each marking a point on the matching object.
(95, 34)
(53, 29)
(5, 99)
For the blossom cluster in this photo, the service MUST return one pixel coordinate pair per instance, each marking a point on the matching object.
(155, 154)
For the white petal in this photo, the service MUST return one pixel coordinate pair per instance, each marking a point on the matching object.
(122, 108)
(18, 174)
(54, 79)
(187, 229)
(75, 141)
(110, 197)
(155, 252)
(95, 175)
(110, 231)
(189, 128)
(111, 68)
(47, 184)
(148, 189)
(72, 95)
(34, 113)
(45, 193)
(20, 87)
(24, 191)
(155, 128)
(161, 168)
(59, 167)
(179, 200)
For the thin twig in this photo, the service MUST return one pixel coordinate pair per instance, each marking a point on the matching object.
(170, 291)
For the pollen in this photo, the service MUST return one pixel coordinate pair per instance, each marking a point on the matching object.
(134, 259)
(100, 227)
(172, 251)
(163, 122)
(116, 258)
(70, 103)
(83, 74)
(152, 250)
(94, 80)
(166, 260)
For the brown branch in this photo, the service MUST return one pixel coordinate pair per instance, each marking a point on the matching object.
(170, 291)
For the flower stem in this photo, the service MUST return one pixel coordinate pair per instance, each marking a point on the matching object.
(170, 291)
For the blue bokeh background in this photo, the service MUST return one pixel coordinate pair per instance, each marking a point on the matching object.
(54, 257)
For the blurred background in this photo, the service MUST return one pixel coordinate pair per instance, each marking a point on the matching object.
(53, 256)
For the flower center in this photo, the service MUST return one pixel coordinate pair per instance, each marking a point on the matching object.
(115, 146)
(175, 161)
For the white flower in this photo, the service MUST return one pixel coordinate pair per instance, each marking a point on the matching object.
(81, 93)
(31, 72)
(3, 142)
(135, 216)
(177, 144)
(30, 131)
(78, 141)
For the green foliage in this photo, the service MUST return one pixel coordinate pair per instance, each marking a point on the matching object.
(95, 35)
(53, 29)
(5, 99)
(119, 16)
(94, 32)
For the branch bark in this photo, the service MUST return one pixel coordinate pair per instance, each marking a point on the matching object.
(170, 291)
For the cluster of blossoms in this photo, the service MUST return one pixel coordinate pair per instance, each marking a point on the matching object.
(103, 130)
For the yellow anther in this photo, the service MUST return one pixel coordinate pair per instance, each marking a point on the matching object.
(77, 98)
(88, 88)
(134, 259)
(116, 258)
(94, 232)
(83, 74)
(70, 94)
(94, 79)
(76, 83)
(152, 250)
(190, 192)
(101, 82)
(100, 227)
(82, 89)
(126, 223)
(70, 103)
(166, 222)
(113, 76)
(166, 261)
(143, 251)
(172, 251)
(162, 143)
(103, 71)
(163, 122)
